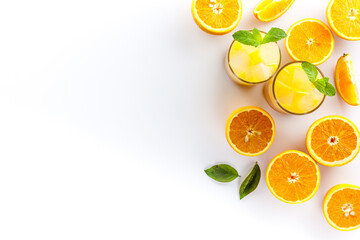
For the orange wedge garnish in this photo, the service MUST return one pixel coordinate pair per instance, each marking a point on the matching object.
(345, 80)
(217, 16)
(310, 40)
(344, 18)
(269, 10)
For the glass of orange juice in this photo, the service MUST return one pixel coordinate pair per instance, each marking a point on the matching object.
(290, 91)
(248, 65)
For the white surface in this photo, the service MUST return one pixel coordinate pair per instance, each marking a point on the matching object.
(111, 110)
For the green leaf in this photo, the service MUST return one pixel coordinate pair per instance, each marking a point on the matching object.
(319, 86)
(310, 71)
(222, 173)
(251, 182)
(274, 35)
(322, 81)
(246, 38)
(325, 87)
(257, 35)
(322, 84)
(330, 90)
(254, 38)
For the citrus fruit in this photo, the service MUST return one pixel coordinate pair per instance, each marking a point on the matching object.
(293, 177)
(268, 10)
(250, 131)
(342, 207)
(217, 16)
(310, 40)
(345, 80)
(333, 141)
(344, 17)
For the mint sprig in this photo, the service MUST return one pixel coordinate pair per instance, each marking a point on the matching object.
(257, 35)
(247, 38)
(254, 38)
(322, 84)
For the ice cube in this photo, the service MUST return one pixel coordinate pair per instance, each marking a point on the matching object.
(317, 96)
(303, 102)
(255, 58)
(301, 81)
(285, 77)
(239, 62)
(259, 72)
(235, 48)
(269, 54)
(249, 49)
(284, 94)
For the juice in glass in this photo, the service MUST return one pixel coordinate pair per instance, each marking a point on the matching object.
(248, 65)
(290, 91)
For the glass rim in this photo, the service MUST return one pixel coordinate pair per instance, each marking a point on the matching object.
(278, 103)
(247, 82)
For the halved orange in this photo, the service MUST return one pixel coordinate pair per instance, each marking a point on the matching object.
(269, 10)
(344, 18)
(250, 131)
(310, 40)
(342, 207)
(217, 16)
(333, 141)
(293, 177)
(345, 80)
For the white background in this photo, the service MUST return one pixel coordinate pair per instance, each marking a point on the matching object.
(111, 110)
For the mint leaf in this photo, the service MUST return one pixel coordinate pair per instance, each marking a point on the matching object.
(257, 35)
(330, 90)
(274, 35)
(222, 173)
(251, 182)
(246, 38)
(322, 81)
(254, 38)
(310, 71)
(325, 87)
(322, 85)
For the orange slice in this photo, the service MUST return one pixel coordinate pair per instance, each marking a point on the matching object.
(250, 131)
(342, 207)
(269, 10)
(345, 80)
(293, 177)
(217, 16)
(344, 18)
(333, 141)
(310, 40)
